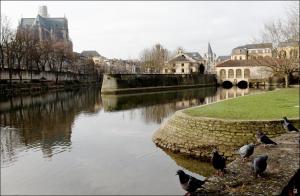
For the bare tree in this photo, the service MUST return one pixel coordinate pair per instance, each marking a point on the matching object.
(154, 59)
(7, 46)
(284, 30)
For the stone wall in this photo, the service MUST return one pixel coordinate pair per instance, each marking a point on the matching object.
(197, 136)
(46, 75)
(124, 83)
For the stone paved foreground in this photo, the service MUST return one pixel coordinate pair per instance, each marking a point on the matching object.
(283, 164)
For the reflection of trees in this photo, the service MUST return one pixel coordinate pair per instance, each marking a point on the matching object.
(157, 106)
(44, 121)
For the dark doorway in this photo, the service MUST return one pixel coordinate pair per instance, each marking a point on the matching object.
(201, 68)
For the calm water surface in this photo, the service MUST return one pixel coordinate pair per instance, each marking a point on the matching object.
(84, 143)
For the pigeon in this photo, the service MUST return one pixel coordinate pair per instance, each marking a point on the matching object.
(259, 165)
(262, 138)
(218, 162)
(246, 151)
(189, 183)
(287, 125)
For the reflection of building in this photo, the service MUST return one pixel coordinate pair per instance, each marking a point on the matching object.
(185, 63)
(250, 51)
(243, 70)
(46, 28)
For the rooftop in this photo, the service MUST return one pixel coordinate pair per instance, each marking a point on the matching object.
(90, 53)
(246, 63)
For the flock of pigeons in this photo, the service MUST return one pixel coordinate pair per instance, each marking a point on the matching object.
(258, 166)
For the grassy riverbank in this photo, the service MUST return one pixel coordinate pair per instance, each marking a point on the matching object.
(264, 106)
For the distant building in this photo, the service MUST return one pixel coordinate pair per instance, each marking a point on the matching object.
(252, 51)
(210, 59)
(288, 49)
(185, 63)
(93, 54)
(46, 28)
(243, 70)
(221, 59)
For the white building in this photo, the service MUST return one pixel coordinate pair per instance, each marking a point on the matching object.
(235, 71)
(185, 63)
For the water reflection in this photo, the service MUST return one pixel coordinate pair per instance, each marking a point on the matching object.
(43, 122)
(74, 140)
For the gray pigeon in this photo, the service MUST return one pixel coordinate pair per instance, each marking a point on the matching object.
(262, 138)
(287, 125)
(189, 183)
(246, 151)
(259, 165)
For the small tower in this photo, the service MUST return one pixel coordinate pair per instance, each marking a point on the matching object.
(43, 11)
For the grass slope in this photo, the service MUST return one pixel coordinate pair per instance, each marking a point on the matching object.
(264, 106)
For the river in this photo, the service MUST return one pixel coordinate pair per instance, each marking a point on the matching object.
(82, 142)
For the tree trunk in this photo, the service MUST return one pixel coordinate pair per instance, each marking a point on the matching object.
(287, 82)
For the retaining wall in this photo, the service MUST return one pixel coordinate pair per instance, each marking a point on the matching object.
(46, 75)
(197, 136)
(124, 83)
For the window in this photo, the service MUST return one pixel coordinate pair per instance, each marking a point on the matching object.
(240, 57)
(246, 73)
(238, 73)
(174, 65)
(222, 74)
(235, 58)
(182, 64)
(230, 73)
(173, 70)
(191, 70)
(166, 70)
(182, 70)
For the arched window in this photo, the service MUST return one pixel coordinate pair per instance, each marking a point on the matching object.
(246, 73)
(230, 73)
(282, 54)
(238, 73)
(223, 74)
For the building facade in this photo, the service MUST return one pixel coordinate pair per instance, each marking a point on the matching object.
(249, 70)
(289, 49)
(252, 51)
(185, 63)
(47, 28)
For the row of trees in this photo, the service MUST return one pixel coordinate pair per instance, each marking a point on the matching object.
(22, 50)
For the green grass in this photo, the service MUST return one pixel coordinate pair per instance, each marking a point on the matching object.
(264, 106)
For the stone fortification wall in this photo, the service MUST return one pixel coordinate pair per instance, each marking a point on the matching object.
(46, 75)
(197, 136)
(124, 83)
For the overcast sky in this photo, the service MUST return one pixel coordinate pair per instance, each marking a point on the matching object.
(123, 29)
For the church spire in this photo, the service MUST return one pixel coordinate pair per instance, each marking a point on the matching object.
(209, 51)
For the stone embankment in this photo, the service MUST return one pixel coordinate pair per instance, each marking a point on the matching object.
(197, 136)
(131, 83)
(40, 87)
(281, 177)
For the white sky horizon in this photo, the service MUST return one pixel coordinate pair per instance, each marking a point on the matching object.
(123, 29)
